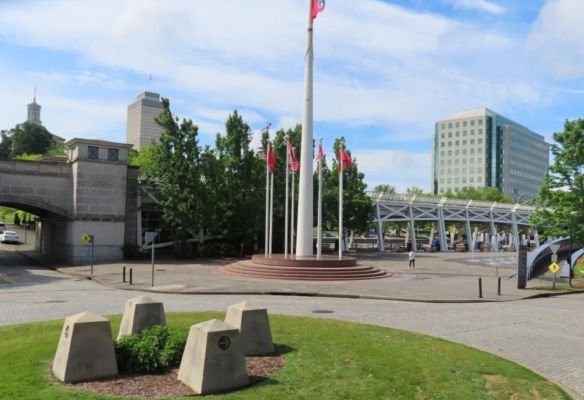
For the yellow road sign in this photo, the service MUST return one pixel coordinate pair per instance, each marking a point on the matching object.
(554, 267)
(86, 239)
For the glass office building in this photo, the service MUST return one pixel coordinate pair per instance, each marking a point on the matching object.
(480, 148)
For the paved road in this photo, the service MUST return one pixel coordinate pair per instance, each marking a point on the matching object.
(544, 334)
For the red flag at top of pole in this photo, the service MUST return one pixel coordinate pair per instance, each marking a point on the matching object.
(292, 160)
(317, 7)
(320, 153)
(345, 158)
(271, 159)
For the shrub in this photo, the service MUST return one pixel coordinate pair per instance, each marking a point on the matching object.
(154, 350)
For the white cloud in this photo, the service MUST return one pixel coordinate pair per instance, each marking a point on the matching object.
(401, 169)
(481, 5)
(375, 63)
(556, 38)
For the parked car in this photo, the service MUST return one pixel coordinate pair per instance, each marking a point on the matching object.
(9, 237)
(2, 227)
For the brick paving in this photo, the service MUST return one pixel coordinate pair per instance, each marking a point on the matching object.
(544, 335)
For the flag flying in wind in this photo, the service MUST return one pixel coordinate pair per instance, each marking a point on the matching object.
(317, 7)
(345, 158)
(271, 159)
(320, 152)
(292, 160)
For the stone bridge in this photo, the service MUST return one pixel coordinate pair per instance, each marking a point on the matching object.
(90, 191)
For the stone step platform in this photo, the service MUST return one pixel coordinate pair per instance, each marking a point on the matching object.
(305, 271)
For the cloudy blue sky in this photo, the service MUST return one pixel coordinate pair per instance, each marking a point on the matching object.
(385, 70)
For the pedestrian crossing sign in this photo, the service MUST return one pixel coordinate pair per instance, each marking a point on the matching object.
(554, 267)
(86, 239)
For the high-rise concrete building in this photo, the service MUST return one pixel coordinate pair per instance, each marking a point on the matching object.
(141, 128)
(481, 148)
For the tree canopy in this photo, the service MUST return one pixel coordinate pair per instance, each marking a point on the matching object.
(220, 190)
(479, 194)
(561, 198)
(28, 141)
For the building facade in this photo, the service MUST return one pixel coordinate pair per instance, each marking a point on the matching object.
(481, 148)
(141, 127)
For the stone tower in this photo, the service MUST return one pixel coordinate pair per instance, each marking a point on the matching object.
(34, 112)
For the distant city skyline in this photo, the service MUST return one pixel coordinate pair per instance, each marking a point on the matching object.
(385, 71)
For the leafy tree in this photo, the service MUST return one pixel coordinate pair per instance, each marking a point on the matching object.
(385, 188)
(357, 207)
(561, 198)
(174, 168)
(30, 138)
(5, 146)
(279, 146)
(415, 191)
(238, 192)
(480, 194)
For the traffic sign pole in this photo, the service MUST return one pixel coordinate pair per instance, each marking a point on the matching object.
(150, 238)
(92, 257)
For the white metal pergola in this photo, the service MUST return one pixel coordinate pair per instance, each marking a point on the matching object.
(412, 209)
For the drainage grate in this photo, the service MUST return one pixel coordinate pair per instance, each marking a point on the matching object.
(56, 301)
(322, 311)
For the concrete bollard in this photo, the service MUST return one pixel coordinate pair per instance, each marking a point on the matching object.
(130, 276)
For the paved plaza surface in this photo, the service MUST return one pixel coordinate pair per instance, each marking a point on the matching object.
(543, 334)
(437, 277)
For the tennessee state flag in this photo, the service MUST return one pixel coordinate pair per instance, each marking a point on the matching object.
(320, 153)
(317, 7)
(345, 158)
(292, 160)
(271, 159)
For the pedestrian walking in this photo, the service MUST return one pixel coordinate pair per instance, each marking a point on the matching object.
(412, 256)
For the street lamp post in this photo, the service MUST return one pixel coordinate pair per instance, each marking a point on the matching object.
(572, 214)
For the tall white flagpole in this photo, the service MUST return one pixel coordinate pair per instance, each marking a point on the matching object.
(286, 203)
(292, 202)
(305, 196)
(271, 210)
(319, 217)
(267, 233)
(341, 207)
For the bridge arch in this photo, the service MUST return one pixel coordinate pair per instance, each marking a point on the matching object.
(31, 205)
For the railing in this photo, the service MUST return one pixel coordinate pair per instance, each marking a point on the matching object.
(446, 201)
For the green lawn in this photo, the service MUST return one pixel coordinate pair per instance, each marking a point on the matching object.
(325, 359)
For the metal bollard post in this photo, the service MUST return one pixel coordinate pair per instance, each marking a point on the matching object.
(130, 276)
(480, 288)
(499, 287)
(124, 274)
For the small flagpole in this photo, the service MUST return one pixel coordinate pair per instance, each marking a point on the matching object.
(271, 211)
(292, 230)
(319, 217)
(341, 206)
(267, 202)
(286, 201)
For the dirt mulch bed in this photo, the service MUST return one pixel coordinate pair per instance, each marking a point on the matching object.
(168, 385)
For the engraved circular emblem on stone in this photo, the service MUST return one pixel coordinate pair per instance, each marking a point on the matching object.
(67, 332)
(224, 342)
